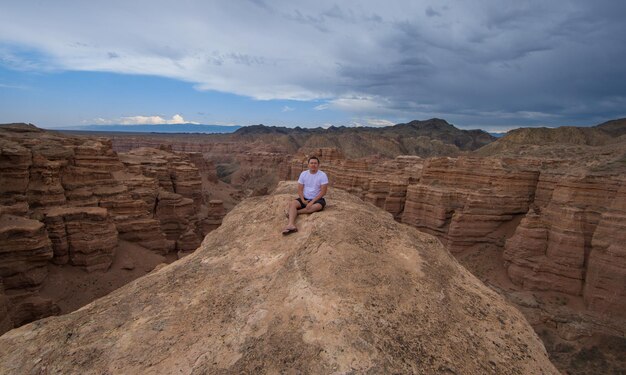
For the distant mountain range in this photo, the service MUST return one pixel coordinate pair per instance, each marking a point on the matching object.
(424, 138)
(161, 128)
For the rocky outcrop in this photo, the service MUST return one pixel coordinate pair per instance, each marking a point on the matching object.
(338, 296)
(259, 171)
(15, 162)
(175, 195)
(605, 286)
(539, 216)
(5, 319)
(97, 155)
(67, 200)
(552, 248)
(213, 219)
(83, 236)
(206, 168)
(470, 201)
(177, 215)
(44, 184)
(25, 250)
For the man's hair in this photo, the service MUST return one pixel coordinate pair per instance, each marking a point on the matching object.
(313, 157)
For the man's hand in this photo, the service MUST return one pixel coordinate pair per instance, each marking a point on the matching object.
(309, 204)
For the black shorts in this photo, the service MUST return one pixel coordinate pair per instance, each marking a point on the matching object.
(321, 201)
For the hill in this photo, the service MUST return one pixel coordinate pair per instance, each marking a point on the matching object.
(424, 138)
(565, 140)
(340, 296)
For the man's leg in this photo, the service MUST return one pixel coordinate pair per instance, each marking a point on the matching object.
(294, 205)
(309, 210)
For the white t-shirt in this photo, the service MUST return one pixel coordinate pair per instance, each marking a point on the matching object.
(312, 183)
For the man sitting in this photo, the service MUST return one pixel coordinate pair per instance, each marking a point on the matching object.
(312, 186)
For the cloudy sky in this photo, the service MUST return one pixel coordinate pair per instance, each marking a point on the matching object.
(490, 64)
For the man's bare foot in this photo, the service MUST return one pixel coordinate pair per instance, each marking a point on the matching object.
(289, 230)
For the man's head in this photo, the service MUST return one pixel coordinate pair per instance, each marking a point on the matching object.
(313, 164)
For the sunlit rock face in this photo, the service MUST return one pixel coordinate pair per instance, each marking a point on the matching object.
(546, 219)
(67, 200)
(363, 295)
(561, 244)
(605, 286)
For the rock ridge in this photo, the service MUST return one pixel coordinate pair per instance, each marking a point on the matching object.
(352, 291)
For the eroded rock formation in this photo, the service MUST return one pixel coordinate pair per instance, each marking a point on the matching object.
(361, 295)
(67, 200)
(605, 286)
(25, 250)
(540, 216)
(83, 236)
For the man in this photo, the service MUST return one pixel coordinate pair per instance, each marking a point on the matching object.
(312, 186)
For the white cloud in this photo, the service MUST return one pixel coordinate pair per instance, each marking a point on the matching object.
(287, 109)
(502, 129)
(98, 121)
(224, 123)
(379, 122)
(358, 56)
(143, 120)
(361, 104)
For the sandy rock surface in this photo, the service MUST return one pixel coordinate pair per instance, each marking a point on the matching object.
(351, 291)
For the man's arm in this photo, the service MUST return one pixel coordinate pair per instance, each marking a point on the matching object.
(301, 193)
(323, 190)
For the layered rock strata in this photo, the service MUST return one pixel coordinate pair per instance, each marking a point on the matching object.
(5, 319)
(545, 221)
(258, 172)
(176, 194)
(68, 199)
(605, 286)
(25, 250)
(83, 236)
(470, 201)
(338, 296)
(553, 247)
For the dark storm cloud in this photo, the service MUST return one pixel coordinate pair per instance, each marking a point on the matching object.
(520, 66)
(481, 63)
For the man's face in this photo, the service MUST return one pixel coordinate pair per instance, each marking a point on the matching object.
(313, 165)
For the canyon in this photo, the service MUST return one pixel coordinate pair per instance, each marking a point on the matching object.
(249, 300)
(72, 202)
(538, 215)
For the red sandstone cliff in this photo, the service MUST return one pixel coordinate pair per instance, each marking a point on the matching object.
(366, 295)
(67, 200)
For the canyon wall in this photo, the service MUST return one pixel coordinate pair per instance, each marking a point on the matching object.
(365, 296)
(555, 228)
(69, 200)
